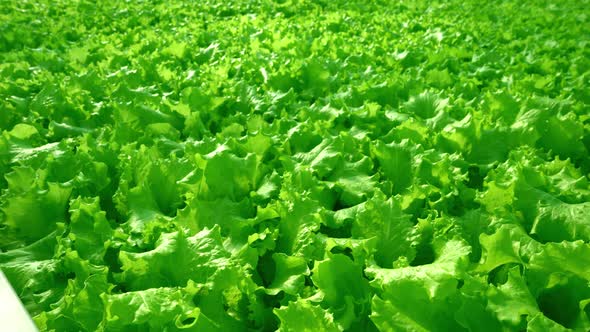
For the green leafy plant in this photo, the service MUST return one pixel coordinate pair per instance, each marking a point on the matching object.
(296, 165)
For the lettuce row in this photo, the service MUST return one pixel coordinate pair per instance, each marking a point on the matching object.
(300, 166)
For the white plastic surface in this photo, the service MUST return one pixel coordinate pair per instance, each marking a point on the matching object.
(13, 316)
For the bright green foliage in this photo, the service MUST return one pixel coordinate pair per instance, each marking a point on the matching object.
(295, 165)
